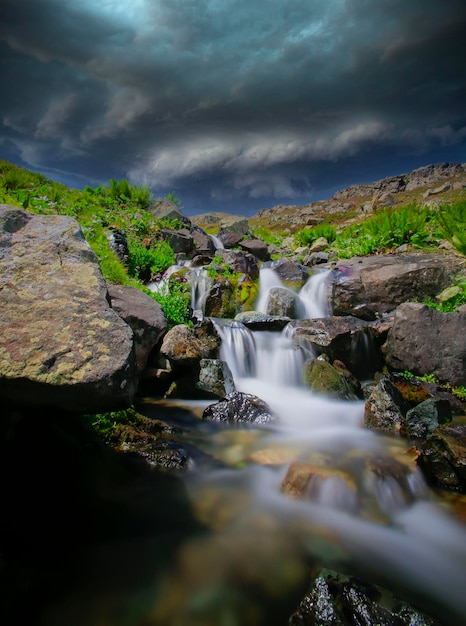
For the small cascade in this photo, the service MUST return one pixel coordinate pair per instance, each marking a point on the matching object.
(238, 349)
(314, 296)
(200, 283)
(268, 279)
(217, 243)
(313, 300)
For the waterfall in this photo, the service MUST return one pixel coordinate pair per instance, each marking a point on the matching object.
(217, 243)
(312, 299)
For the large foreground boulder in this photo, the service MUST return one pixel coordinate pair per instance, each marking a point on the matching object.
(423, 340)
(61, 344)
(367, 287)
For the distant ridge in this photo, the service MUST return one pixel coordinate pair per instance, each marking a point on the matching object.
(431, 185)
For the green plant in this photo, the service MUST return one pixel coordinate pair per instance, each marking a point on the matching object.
(307, 236)
(175, 301)
(451, 220)
(145, 260)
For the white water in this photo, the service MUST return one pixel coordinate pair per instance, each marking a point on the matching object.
(312, 298)
(391, 528)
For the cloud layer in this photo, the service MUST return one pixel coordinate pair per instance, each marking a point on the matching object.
(235, 105)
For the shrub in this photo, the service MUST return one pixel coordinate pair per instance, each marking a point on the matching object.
(451, 220)
(175, 301)
(146, 260)
(307, 236)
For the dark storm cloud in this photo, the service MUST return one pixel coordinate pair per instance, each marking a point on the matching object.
(229, 100)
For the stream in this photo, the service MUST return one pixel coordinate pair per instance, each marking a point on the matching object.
(253, 563)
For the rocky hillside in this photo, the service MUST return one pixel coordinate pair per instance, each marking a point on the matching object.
(431, 185)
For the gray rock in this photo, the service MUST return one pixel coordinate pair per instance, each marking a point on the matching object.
(383, 410)
(61, 344)
(367, 287)
(215, 378)
(283, 303)
(240, 408)
(143, 314)
(425, 417)
(423, 340)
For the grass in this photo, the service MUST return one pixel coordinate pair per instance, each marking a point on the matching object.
(116, 206)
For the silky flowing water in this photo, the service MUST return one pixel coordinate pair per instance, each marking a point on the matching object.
(252, 564)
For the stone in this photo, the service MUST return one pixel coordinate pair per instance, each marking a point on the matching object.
(423, 340)
(143, 314)
(426, 416)
(181, 347)
(215, 378)
(322, 377)
(61, 344)
(240, 408)
(384, 408)
(368, 287)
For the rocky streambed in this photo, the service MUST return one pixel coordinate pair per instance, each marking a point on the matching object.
(277, 470)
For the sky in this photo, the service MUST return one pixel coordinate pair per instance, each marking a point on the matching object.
(233, 105)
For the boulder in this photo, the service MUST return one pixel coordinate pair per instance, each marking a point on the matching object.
(368, 287)
(240, 262)
(349, 339)
(423, 340)
(257, 248)
(240, 408)
(166, 209)
(385, 408)
(322, 377)
(181, 241)
(143, 314)
(443, 457)
(181, 348)
(61, 344)
(293, 274)
(283, 302)
(215, 378)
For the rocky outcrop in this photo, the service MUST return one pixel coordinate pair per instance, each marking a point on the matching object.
(61, 344)
(423, 340)
(143, 314)
(368, 287)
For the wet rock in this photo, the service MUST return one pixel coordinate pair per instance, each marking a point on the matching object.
(322, 377)
(181, 347)
(143, 314)
(368, 287)
(384, 408)
(240, 408)
(348, 339)
(425, 417)
(61, 344)
(215, 378)
(336, 599)
(426, 341)
(282, 303)
(220, 301)
(291, 273)
(255, 320)
(443, 457)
